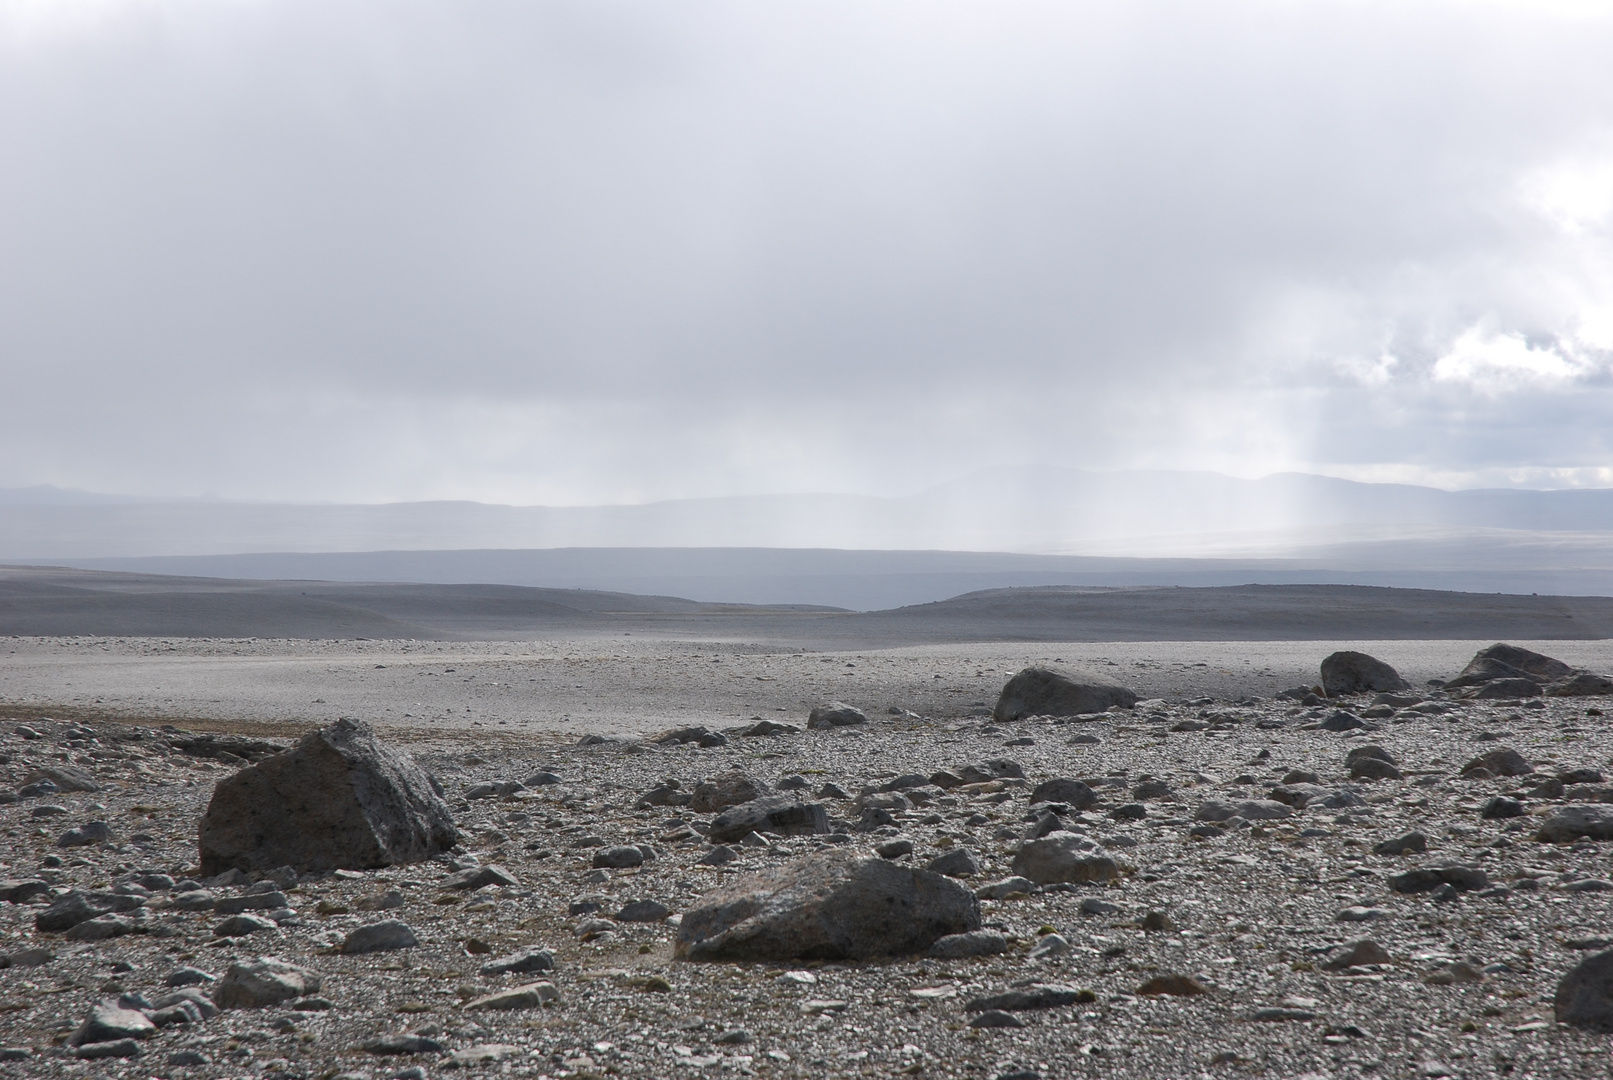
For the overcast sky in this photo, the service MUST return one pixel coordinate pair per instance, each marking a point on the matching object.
(616, 251)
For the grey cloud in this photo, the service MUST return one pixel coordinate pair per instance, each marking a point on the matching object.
(584, 252)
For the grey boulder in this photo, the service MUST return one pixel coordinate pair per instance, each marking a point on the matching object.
(380, 937)
(255, 984)
(1063, 789)
(1584, 997)
(729, 789)
(1040, 691)
(112, 1019)
(781, 814)
(1063, 856)
(1357, 673)
(337, 800)
(831, 905)
(1568, 823)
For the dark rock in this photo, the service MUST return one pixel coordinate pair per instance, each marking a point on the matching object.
(1300, 776)
(1373, 768)
(380, 937)
(829, 905)
(20, 892)
(91, 832)
(1129, 812)
(997, 1018)
(698, 735)
(1151, 787)
(188, 976)
(730, 789)
(1584, 997)
(1371, 750)
(719, 855)
(524, 962)
(1460, 878)
(1250, 810)
(894, 849)
(66, 912)
(1502, 761)
(541, 779)
(993, 769)
(957, 863)
(668, 794)
(1063, 789)
(1358, 673)
(264, 901)
(1509, 661)
(780, 814)
(1403, 845)
(1500, 806)
(1342, 721)
(338, 799)
(1580, 776)
(945, 780)
(397, 1045)
(970, 944)
(646, 911)
(1038, 691)
(1173, 985)
(239, 926)
(619, 857)
(835, 714)
(61, 777)
(1568, 823)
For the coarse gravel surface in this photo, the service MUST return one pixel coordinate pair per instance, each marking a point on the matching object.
(1251, 914)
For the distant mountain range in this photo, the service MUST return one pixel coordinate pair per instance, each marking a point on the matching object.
(995, 529)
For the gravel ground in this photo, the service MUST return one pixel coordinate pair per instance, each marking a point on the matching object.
(1252, 915)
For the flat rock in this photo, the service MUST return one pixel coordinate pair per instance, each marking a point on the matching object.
(520, 963)
(1582, 685)
(380, 937)
(478, 877)
(1461, 878)
(1502, 761)
(1041, 691)
(957, 863)
(66, 912)
(1403, 845)
(1031, 997)
(1063, 789)
(1251, 810)
(530, 996)
(829, 905)
(338, 799)
(112, 1019)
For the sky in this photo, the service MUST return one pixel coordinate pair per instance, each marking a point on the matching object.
(619, 251)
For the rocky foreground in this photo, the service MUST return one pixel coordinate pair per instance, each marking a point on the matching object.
(1355, 878)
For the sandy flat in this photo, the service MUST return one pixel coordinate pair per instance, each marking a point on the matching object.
(634, 684)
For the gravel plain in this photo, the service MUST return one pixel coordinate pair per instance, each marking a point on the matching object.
(1253, 915)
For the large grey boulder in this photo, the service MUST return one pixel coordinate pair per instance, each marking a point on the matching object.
(1585, 996)
(1063, 856)
(831, 905)
(1509, 662)
(1568, 823)
(254, 984)
(337, 800)
(835, 714)
(1357, 673)
(1039, 691)
(779, 814)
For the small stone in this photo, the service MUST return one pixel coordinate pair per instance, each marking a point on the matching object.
(1342, 721)
(1032, 997)
(479, 877)
(185, 1058)
(1502, 761)
(380, 937)
(833, 715)
(1050, 946)
(116, 1048)
(894, 849)
(970, 944)
(386, 901)
(110, 1020)
(483, 1054)
(396, 1045)
(997, 890)
(1280, 1014)
(1129, 812)
(718, 855)
(260, 901)
(1359, 914)
(1094, 906)
(996, 1018)
(92, 832)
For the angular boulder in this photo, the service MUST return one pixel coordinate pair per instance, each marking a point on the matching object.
(254, 984)
(779, 814)
(1582, 685)
(1357, 673)
(1502, 761)
(831, 905)
(1509, 662)
(1584, 997)
(337, 800)
(1040, 691)
(1063, 789)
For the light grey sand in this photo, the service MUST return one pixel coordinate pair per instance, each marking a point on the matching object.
(632, 684)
